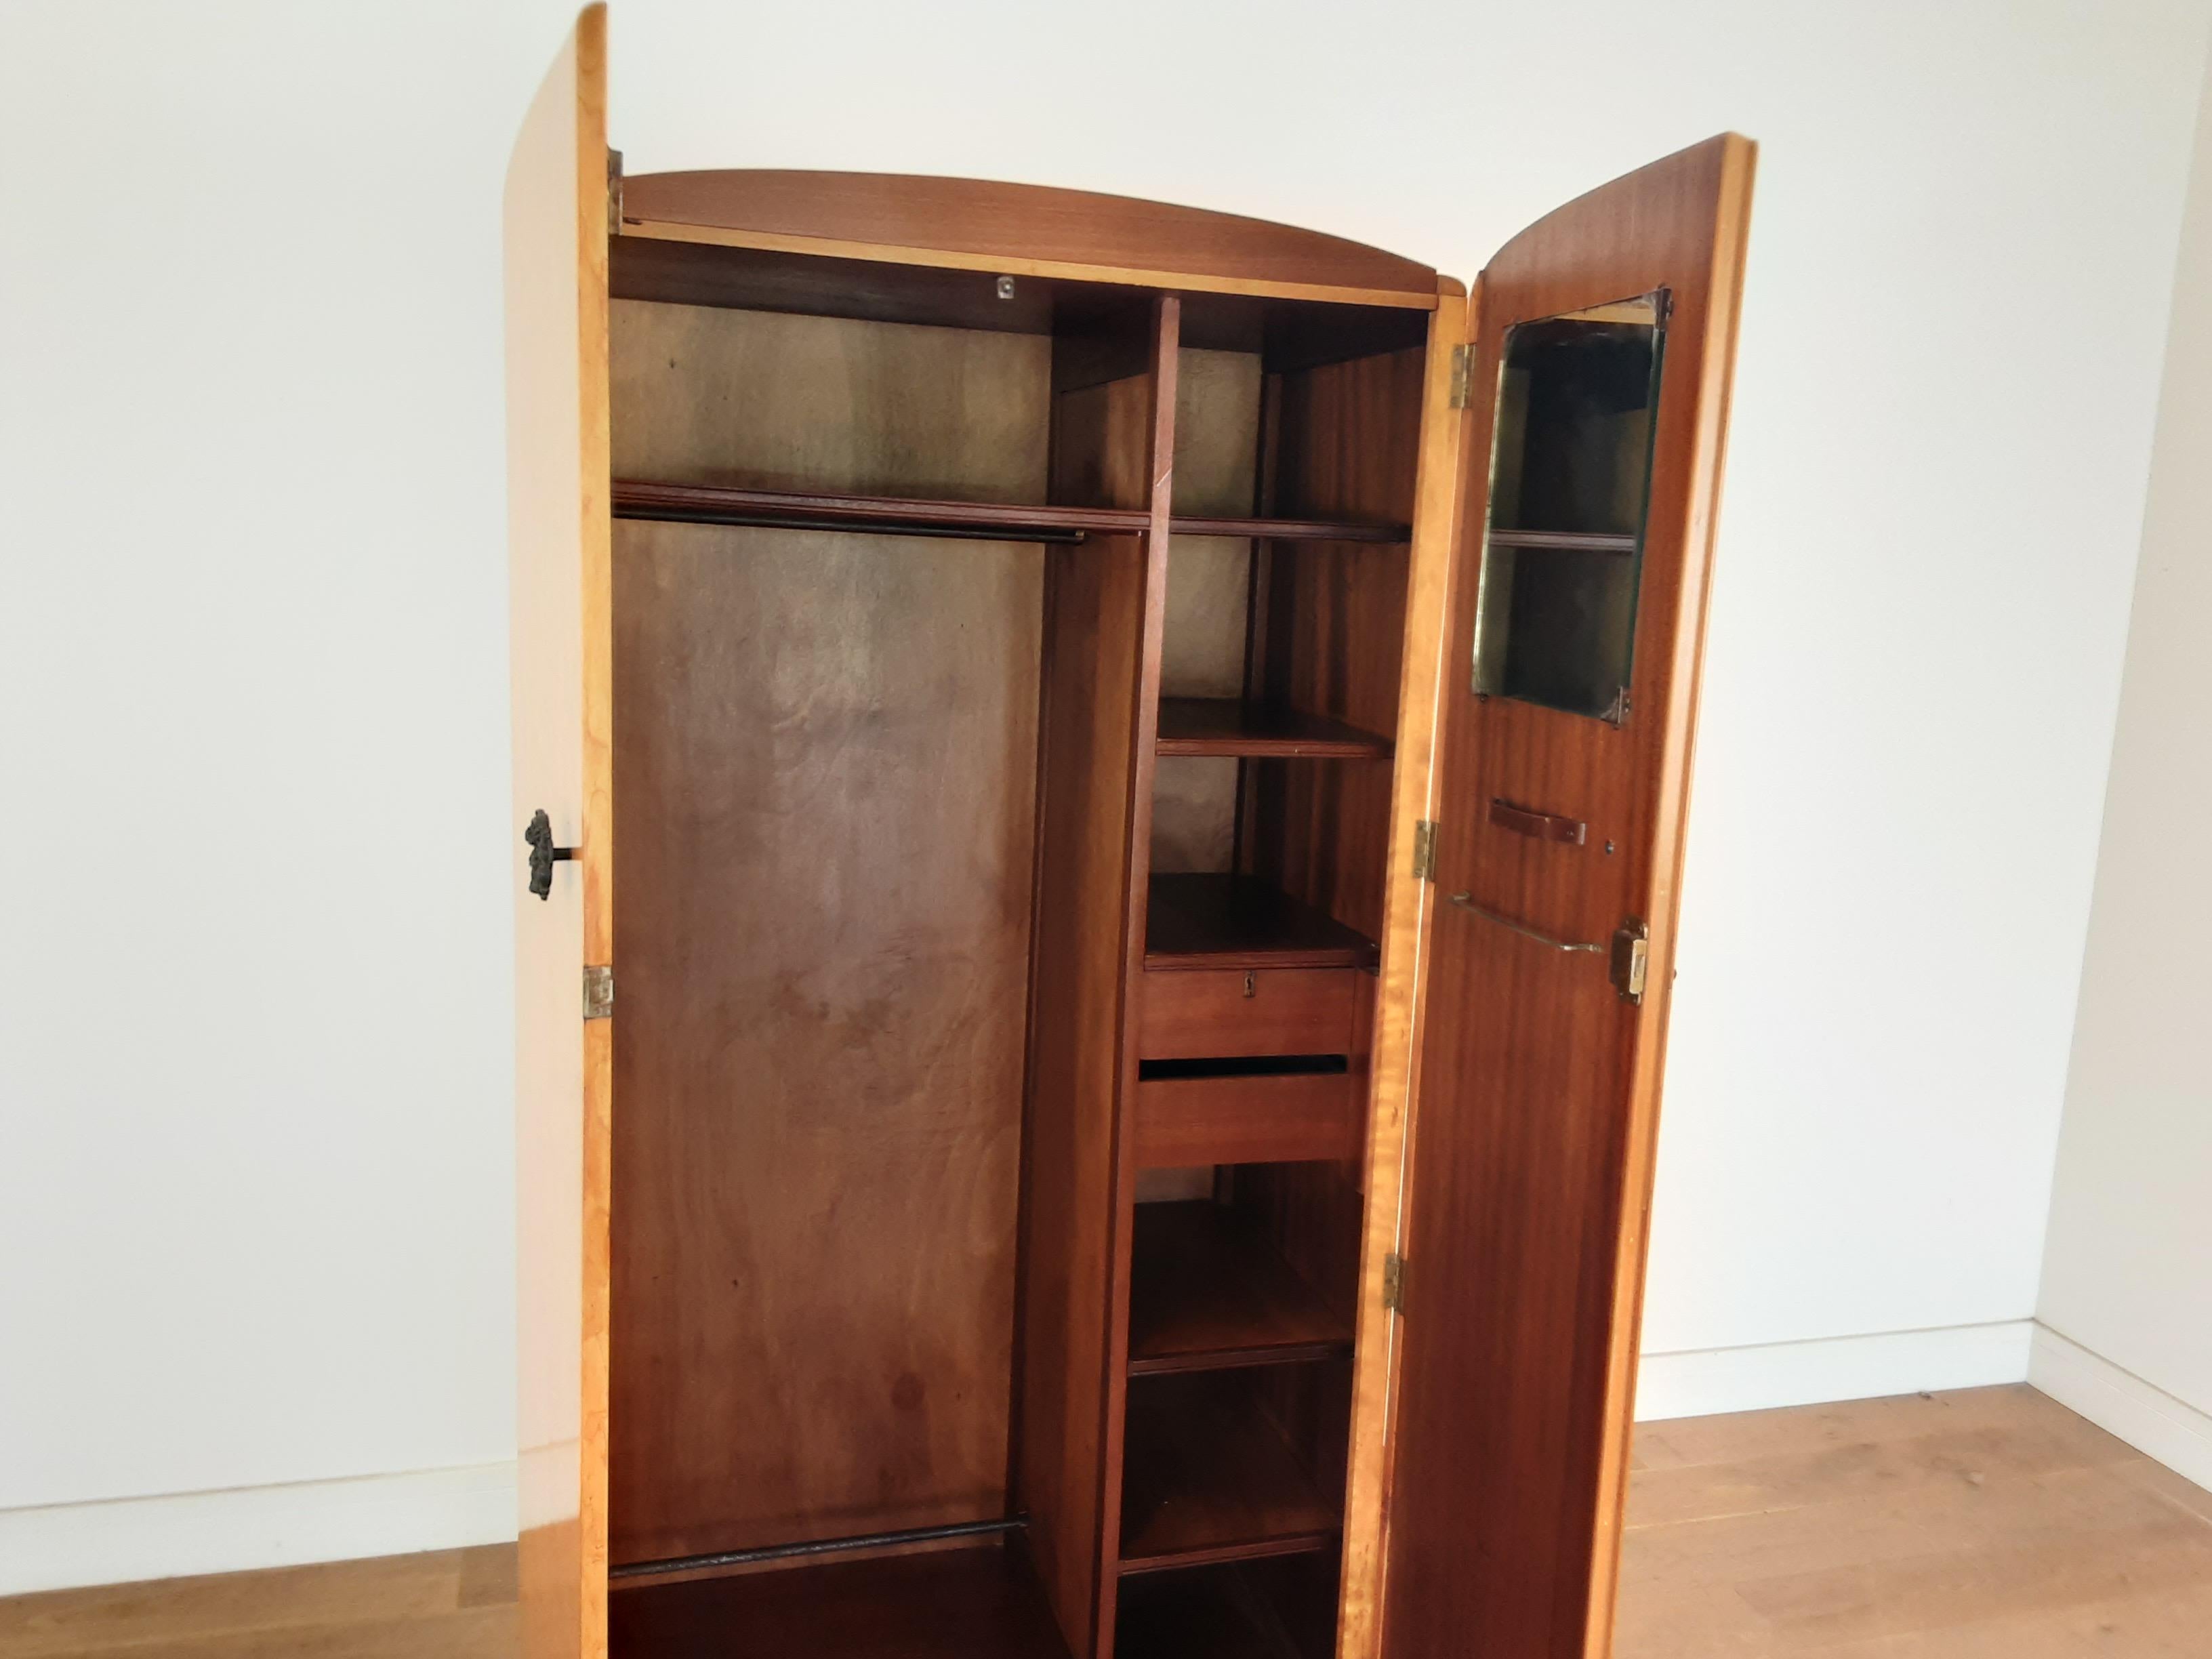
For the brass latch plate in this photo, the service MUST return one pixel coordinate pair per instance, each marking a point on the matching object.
(1393, 1283)
(1462, 376)
(1424, 850)
(1632, 960)
(599, 992)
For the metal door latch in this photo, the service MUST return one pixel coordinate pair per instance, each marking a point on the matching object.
(543, 854)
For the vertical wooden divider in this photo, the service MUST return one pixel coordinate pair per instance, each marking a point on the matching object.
(1406, 903)
(1113, 444)
(1160, 471)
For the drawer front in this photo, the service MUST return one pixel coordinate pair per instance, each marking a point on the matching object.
(1210, 1013)
(1182, 1122)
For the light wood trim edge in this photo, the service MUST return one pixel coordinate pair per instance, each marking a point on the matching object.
(952, 259)
(1731, 228)
(597, 853)
(1439, 488)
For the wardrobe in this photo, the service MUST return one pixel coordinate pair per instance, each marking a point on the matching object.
(1101, 791)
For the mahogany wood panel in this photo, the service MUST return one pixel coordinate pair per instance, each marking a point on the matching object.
(1263, 1011)
(973, 1603)
(1261, 1119)
(1200, 920)
(817, 1176)
(1208, 1291)
(1232, 727)
(1391, 1051)
(1104, 605)
(824, 1030)
(1019, 229)
(1112, 443)
(1094, 625)
(555, 232)
(1531, 1155)
(1209, 1477)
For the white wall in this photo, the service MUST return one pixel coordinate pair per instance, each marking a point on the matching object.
(2127, 1286)
(254, 1203)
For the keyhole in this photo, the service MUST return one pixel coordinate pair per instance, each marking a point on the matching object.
(1249, 988)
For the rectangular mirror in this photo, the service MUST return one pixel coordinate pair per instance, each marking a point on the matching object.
(1570, 483)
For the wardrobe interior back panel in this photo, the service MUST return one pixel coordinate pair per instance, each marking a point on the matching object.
(825, 785)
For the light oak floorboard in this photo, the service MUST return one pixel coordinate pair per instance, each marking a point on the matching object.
(1972, 1525)
(1988, 1524)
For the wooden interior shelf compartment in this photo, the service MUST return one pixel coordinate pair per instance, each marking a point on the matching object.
(978, 1602)
(1283, 1608)
(1207, 1291)
(1213, 920)
(1209, 1477)
(1227, 727)
(900, 515)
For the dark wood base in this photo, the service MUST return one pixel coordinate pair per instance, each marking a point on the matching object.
(968, 1603)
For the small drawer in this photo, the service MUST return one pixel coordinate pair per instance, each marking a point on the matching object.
(1208, 1012)
(1251, 1119)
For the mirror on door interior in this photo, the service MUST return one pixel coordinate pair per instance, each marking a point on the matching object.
(1570, 467)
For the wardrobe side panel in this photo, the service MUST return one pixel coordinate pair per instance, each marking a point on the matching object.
(555, 241)
(1093, 641)
(827, 748)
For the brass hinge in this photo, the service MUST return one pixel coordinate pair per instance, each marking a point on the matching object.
(1424, 850)
(1462, 376)
(1393, 1283)
(1632, 960)
(599, 992)
(614, 193)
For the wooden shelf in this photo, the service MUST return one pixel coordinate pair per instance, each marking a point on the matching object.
(1227, 727)
(1571, 541)
(980, 1603)
(901, 515)
(1289, 530)
(1241, 921)
(882, 515)
(1206, 1477)
(1207, 1293)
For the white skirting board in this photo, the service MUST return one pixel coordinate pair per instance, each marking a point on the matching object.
(2169, 1431)
(1704, 1382)
(125, 1540)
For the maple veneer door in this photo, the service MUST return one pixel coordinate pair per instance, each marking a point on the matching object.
(559, 538)
(1603, 338)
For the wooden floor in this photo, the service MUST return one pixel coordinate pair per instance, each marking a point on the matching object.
(1985, 1525)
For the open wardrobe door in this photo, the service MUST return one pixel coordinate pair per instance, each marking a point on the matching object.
(560, 535)
(1599, 376)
